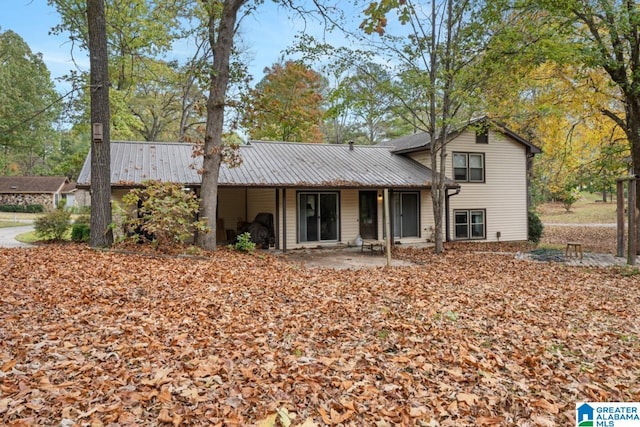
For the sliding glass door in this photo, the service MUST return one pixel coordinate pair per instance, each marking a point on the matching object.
(318, 218)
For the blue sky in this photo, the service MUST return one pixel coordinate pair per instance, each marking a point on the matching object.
(267, 34)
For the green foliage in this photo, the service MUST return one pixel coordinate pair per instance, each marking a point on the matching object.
(80, 233)
(163, 213)
(37, 208)
(53, 225)
(26, 112)
(536, 228)
(244, 243)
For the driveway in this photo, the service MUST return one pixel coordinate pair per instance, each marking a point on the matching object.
(8, 236)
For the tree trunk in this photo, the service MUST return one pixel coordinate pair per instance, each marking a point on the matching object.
(101, 234)
(633, 134)
(221, 31)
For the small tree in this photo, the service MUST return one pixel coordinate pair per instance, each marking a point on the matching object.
(163, 212)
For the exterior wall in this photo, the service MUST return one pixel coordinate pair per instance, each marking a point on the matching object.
(503, 194)
(350, 216)
(349, 220)
(260, 200)
(232, 207)
(46, 200)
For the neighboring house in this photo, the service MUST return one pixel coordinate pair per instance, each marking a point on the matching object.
(327, 194)
(36, 190)
(492, 166)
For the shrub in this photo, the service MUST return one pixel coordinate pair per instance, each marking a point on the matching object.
(53, 225)
(536, 228)
(13, 208)
(34, 208)
(163, 213)
(244, 243)
(80, 232)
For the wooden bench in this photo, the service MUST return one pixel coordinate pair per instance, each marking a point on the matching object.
(373, 245)
(573, 249)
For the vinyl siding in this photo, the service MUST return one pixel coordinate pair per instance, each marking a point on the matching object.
(349, 215)
(503, 194)
(260, 200)
(232, 207)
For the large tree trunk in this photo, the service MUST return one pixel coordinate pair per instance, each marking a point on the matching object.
(101, 234)
(633, 134)
(221, 31)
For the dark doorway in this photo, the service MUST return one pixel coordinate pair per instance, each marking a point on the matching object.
(369, 214)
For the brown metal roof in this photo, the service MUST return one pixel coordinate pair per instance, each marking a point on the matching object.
(266, 164)
(35, 184)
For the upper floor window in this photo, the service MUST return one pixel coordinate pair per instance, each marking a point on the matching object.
(482, 135)
(468, 167)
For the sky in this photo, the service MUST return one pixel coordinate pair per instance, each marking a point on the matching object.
(266, 34)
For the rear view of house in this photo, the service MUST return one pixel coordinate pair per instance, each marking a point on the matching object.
(318, 195)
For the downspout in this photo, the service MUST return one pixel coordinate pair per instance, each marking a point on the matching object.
(446, 212)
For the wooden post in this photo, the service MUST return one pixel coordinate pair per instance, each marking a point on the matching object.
(620, 212)
(387, 226)
(633, 237)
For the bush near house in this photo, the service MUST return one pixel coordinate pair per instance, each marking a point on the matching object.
(162, 213)
(22, 208)
(54, 225)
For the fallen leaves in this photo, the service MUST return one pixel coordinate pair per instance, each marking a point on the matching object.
(464, 339)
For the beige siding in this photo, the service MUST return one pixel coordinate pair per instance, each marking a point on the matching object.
(349, 215)
(504, 192)
(260, 200)
(422, 157)
(232, 207)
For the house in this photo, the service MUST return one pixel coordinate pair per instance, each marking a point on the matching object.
(492, 166)
(328, 194)
(46, 191)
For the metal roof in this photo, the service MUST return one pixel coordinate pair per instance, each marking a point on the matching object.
(266, 164)
(35, 184)
(422, 141)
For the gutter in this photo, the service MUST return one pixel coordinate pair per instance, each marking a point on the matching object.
(446, 212)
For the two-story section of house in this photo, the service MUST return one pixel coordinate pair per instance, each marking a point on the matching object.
(492, 166)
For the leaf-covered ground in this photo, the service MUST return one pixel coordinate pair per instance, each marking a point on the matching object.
(465, 339)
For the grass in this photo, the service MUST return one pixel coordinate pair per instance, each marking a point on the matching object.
(585, 211)
(19, 216)
(28, 237)
(5, 224)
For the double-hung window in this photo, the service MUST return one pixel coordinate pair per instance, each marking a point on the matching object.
(469, 224)
(468, 167)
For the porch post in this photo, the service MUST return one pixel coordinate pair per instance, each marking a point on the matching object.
(284, 220)
(620, 218)
(387, 226)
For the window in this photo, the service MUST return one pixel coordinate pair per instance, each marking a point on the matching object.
(468, 167)
(469, 224)
(482, 135)
(318, 218)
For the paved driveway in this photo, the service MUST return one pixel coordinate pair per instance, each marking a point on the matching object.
(8, 236)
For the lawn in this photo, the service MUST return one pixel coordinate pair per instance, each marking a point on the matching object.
(463, 339)
(589, 221)
(589, 209)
